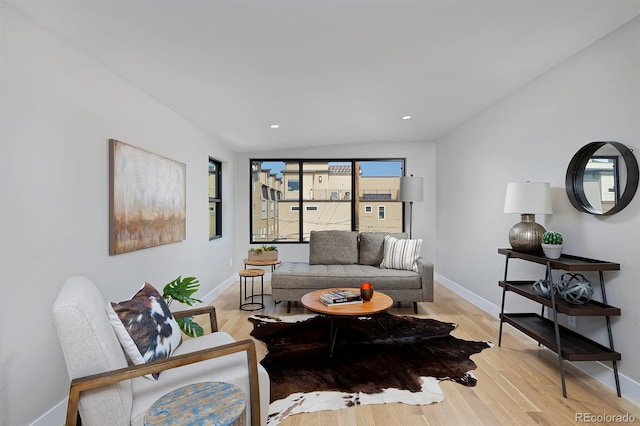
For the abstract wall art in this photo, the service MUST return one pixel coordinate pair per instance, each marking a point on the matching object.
(147, 199)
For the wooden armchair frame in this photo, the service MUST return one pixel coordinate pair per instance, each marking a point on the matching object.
(111, 377)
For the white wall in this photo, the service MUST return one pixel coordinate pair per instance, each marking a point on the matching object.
(420, 161)
(59, 108)
(532, 135)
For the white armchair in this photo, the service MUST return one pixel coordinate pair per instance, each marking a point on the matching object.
(105, 390)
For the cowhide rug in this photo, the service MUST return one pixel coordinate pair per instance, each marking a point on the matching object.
(376, 360)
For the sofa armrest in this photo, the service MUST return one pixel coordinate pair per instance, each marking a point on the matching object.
(111, 377)
(425, 269)
(210, 310)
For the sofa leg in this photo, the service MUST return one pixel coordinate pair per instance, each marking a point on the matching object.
(415, 307)
(289, 307)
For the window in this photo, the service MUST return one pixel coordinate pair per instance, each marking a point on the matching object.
(381, 212)
(300, 202)
(215, 200)
(263, 202)
(293, 185)
(272, 203)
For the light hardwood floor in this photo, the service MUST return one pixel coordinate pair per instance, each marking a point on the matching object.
(518, 383)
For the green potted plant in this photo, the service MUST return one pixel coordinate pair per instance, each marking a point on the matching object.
(263, 252)
(181, 289)
(552, 243)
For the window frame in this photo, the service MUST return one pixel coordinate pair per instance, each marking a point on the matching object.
(216, 199)
(301, 202)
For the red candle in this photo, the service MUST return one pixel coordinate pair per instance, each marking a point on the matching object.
(366, 286)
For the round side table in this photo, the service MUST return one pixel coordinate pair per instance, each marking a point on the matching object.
(270, 263)
(252, 305)
(211, 403)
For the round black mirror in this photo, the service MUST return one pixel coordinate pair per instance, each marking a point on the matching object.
(602, 178)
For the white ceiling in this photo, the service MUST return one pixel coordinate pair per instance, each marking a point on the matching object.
(328, 71)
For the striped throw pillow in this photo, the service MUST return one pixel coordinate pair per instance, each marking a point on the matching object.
(401, 254)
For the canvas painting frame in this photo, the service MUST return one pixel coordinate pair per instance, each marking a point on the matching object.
(147, 199)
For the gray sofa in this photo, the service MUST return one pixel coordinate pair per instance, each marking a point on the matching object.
(347, 259)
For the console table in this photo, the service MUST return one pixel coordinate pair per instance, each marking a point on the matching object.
(567, 343)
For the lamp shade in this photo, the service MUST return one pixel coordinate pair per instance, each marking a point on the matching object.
(411, 188)
(528, 197)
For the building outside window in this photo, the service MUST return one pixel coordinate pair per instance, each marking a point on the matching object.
(331, 196)
(266, 193)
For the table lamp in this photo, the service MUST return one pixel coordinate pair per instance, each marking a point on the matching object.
(411, 189)
(527, 199)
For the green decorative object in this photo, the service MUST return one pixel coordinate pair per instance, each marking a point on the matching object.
(259, 250)
(552, 244)
(552, 237)
(182, 290)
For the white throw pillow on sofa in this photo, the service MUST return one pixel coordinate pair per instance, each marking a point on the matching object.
(401, 254)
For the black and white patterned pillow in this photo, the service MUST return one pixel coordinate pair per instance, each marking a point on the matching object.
(145, 326)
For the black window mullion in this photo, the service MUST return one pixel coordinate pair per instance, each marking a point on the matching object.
(300, 209)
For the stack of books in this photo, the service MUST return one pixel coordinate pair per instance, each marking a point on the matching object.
(340, 297)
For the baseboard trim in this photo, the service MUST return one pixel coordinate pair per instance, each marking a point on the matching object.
(599, 371)
(219, 289)
(469, 296)
(56, 416)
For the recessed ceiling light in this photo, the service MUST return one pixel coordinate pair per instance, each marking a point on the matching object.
(274, 126)
(406, 117)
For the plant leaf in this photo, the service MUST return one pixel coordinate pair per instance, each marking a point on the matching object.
(190, 327)
(181, 289)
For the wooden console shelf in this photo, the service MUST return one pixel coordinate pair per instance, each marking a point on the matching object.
(593, 308)
(567, 343)
(575, 347)
(566, 262)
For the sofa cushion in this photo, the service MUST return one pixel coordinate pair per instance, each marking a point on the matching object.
(333, 248)
(145, 326)
(372, 247)
(401, 254)
(301, 275)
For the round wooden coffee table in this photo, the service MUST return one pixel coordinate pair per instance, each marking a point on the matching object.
(379, 303)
